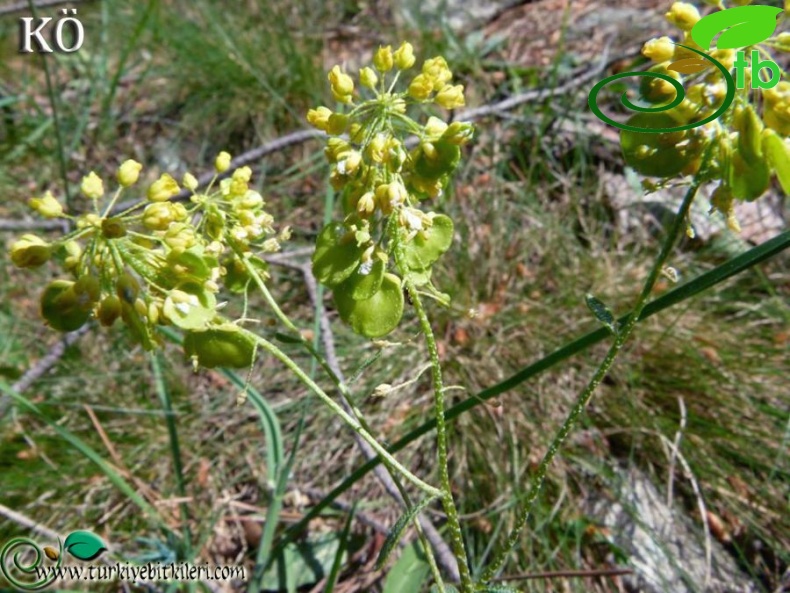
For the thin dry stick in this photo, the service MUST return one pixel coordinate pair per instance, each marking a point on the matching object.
(24, 6)
(444, 555)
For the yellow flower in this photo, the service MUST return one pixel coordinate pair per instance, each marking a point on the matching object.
(47, 206)
(404, 56)
(421, 87)
(437, 70)
(30, 252)
(163, 188)
(683, 15)
(222, 162)
(451, 96)
(382, 59)
(659, 50)
(341, 84)
(92, 186)
(129, 172)
(368, 78)
(158, 216)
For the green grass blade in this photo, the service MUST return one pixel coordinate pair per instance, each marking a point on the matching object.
(707, 280)
(331, 580)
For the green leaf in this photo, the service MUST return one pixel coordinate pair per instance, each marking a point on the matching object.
(601, 312)
(409, 572)
(447, 589)
(748, 180)
(190, 307)
(444, 161)
(396, 532)
(498, 589)
(364, 286)
(778, 155)
(428, 245)
(335, 257)
(377, 316)
(306, 562)
(84, 545)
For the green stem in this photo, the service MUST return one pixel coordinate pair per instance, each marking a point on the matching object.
(456, 537)
(352, 422)
(584, 398)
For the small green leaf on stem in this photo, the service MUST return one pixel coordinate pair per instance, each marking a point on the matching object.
(601, 312)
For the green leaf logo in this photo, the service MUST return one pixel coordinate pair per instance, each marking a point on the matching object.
(84, 545)
(745, 25)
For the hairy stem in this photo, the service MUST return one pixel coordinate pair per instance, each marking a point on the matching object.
(622, 336)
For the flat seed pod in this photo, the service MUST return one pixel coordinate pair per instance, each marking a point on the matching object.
(190, 307)
(62, 308)
(223, 346)
(363, 286)
(663, 154)
(428, 245)
(334, 261)
(377, 316)
(748, 180)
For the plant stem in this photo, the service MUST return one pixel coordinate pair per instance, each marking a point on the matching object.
(341, 413)
(584, 398)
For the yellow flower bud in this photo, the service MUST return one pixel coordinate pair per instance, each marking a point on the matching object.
(403, 58)
(349, 163)
(163, 188)
(366, 204)
(47, 206)
(129, 172)
(242, 174)
(30, 252)
(222, 162)
(451, 96)
(341, 84)
(319, 118)
(189, 181)
(421, 87)
(92, 186)
(158, 216)
(382, 59)
(368, 78)
(659, 50)
(435, 128)
(180, 237)
(683, 15)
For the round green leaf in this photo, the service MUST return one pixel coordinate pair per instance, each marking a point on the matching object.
(84, 545)
(223, 346)
(377, 316)
(335, 260)
(363, 286)
(444, 161)
(428, 245)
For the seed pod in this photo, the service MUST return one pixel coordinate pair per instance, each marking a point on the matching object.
(62, 308)
(113, 228)
(127, 288)
(109, 310)
(222, 346)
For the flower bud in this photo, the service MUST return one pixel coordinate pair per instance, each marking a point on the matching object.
(163, 188)
(437, 70)
(180, 236)
(451, 96)
(366, 204)
(382, 59)
(189, 181)
(337, 124)
(683, 15)
(341, 85)
(434, 128)
(459, 132)
(158, 216)
(659, 50)
(222, 162)
(92, 186)
(319, 117)
(129, 172)
(47, 206)
(348, 163)
(403, 58)
(30, 252)
(368, 78)
(421, 87)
